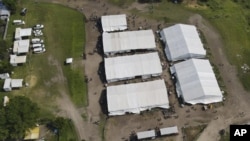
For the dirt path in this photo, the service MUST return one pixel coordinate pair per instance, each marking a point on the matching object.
(237, 97)
(64, 102)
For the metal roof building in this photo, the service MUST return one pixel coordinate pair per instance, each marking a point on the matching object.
(119, 42)
(20, 33)
(196, 82)
(128, 67)
(146, 135)
(182, 42)
(114, 23)
(169, 130)
(21, 46)
(137, 97)
(15, 60)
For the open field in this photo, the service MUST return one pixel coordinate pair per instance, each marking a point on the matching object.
(63, 38)
(51, 83)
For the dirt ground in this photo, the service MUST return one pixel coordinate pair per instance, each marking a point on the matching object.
(233, 110)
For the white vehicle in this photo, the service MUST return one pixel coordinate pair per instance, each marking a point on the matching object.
(39, 50)
(36, 41)
(18, 22)
(38, 26)
(37, 45)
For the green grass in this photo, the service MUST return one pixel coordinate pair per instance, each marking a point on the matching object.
(192, 133)
(64, 36)
(68, 134)
(166, 12)
(230, 20)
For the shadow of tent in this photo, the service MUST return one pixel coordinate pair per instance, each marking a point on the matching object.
(103, 102)
(101, 72)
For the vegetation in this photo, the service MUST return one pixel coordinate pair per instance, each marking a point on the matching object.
(5, 66)
(192, 133)
(66, 40)
(19, 115)
(63, 129)
(11, 5)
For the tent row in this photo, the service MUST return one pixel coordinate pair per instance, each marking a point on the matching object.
(131, 66)
(196, 82)
(182, 42)
(137, 97)
(127, 41)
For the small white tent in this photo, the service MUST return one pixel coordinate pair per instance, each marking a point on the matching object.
(196, 82)
(114, 23)
(182, 42)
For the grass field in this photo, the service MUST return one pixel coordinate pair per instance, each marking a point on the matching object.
(64, 36)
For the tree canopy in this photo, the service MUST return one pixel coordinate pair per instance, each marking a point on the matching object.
(19, 115)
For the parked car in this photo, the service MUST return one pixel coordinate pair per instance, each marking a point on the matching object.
(39, 50)
(38, 26)
(18, 22)
(37, 33)
(23, 11)
(36, 41)
(37, 45)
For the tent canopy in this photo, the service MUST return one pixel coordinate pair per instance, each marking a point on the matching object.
(127, 41)
(137, 97)
(169, 130)
(127, 67)
(22, 33)
(21, 46)
(146, 134)
(196, 82)
(182, 42)
(114, 23)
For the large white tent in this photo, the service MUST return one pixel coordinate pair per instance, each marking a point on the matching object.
(119, 42)
(196, 82)
(128, 67)
(114, 23)
(21, 46)
(136, 97)
(182, 42)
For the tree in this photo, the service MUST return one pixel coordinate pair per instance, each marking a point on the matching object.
(11, 5)
(20, 115)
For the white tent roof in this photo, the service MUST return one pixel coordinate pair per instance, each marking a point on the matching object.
(196, 82)
(17, 59)
(4, 75)
(16, 83)
(119, 68)
(169, 130)
(137, 97)
(69, 60)
(22, 33)
(129, 40)
(114, 22)
(21, 46)
(7, 84)
(182, 42)
(146, 134)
